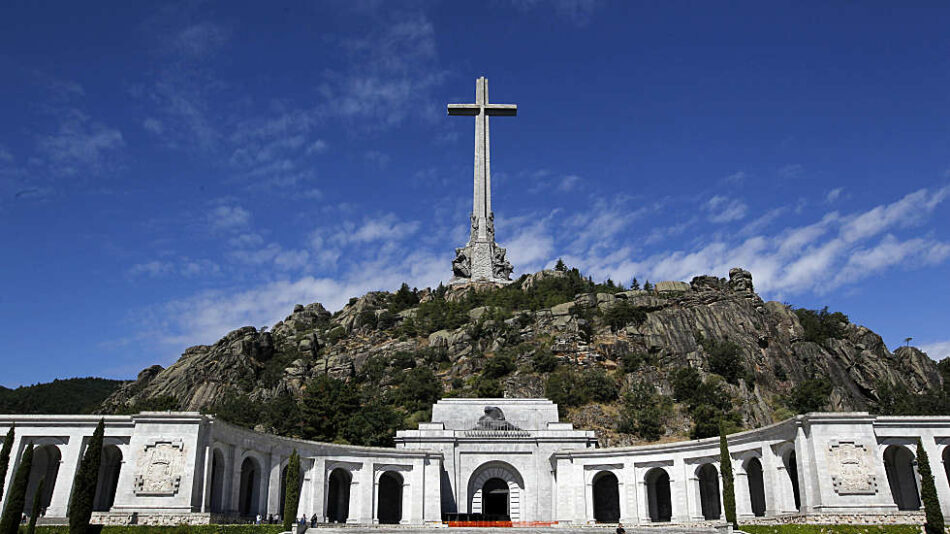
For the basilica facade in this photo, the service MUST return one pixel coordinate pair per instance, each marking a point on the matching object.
(489, 459)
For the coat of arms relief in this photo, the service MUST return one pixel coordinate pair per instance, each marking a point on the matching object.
(160, 467)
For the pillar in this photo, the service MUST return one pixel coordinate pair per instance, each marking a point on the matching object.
(69, 463)
(743, 496)
(679, 487)
(273, 494)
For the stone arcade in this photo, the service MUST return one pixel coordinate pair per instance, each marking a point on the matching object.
(496, 457)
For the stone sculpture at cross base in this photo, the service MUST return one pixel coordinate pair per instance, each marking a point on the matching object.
(482, 259)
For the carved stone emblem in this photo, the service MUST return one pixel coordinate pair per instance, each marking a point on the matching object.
(494, 419)
(851, 470)
(160, 467)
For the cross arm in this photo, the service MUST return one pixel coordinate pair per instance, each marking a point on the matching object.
(502, 110)
(464, 109)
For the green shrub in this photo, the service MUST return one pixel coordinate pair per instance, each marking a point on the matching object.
(565, 389)
(809, 396)
(291, 489)
(643, 412)
(728, 482)
(724, 359)
(820, 325)
(600, 387)
(499, 366)
(487, 388)
(685, 381)
(633, 361)
(622, 314)
(544, 361)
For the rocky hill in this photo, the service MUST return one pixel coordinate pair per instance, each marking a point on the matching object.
(664, 362)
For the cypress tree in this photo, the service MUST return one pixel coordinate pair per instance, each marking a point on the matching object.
(728, 483)
(13, 511)
(5, 458)
(928, 493)
(35, 509)
(84, 485)
(291, 489)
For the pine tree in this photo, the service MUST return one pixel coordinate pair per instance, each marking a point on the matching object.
(647, 286)
(84, 485)
(5, 457)
(559, 266)
(728, 483)
(291, 489)
(35, 509)
(636, 284)
(10, 521)
(928, 493)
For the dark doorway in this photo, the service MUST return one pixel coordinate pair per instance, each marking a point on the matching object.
(217, 481)
(495, 500)
(899, 466)
(946, 462)
(109, 468)
(709, 491)
(390, 498)
(753, 471)
(45, 467)
(338, 496)
(791, 467)
(606, 498)
(249, 496)
(658, 495)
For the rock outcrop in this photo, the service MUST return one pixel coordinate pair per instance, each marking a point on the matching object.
(670, 324)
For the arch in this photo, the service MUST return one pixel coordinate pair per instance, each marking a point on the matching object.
(753, 470)
(901, 477)
(338, 495)
(46, 460)
(250, 490)
(707, 477)
(109, 468)
(389, 498)
(606, 495)
(791, 468)
(659, 499)
(507, 474)
(217, 481)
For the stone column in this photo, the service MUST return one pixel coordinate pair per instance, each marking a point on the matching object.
(743, 496)
(64, 478)
(318, 484)
(694, 497)
(771, 471)
(235, 493)
(408, 513)
(679, 487)
(432, 491)
(629, 507)
(15, 455)
(206, 478)
(273, 495)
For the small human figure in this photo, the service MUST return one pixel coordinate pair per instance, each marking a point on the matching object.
(303, 520)
(257, 520)
(313, 520)
(620, 529)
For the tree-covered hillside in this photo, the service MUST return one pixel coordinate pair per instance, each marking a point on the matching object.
(71, 395)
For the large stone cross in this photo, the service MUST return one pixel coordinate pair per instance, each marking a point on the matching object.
(482, 259)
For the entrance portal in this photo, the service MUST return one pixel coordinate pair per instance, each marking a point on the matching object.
(495, 503)
(390, 498)
(338, 496)
(658, 495)
(899, 466)
(606, 496)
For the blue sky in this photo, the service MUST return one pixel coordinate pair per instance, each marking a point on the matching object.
(171, 172)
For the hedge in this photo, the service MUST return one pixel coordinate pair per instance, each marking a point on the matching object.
(181, 529)
(831, 529)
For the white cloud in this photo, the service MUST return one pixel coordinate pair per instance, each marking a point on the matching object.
(317, 147)
(937, 350)
(833, 195)
(80, 144)
(229, 218)
(569, 182)
(722, 209)
(735, 178)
